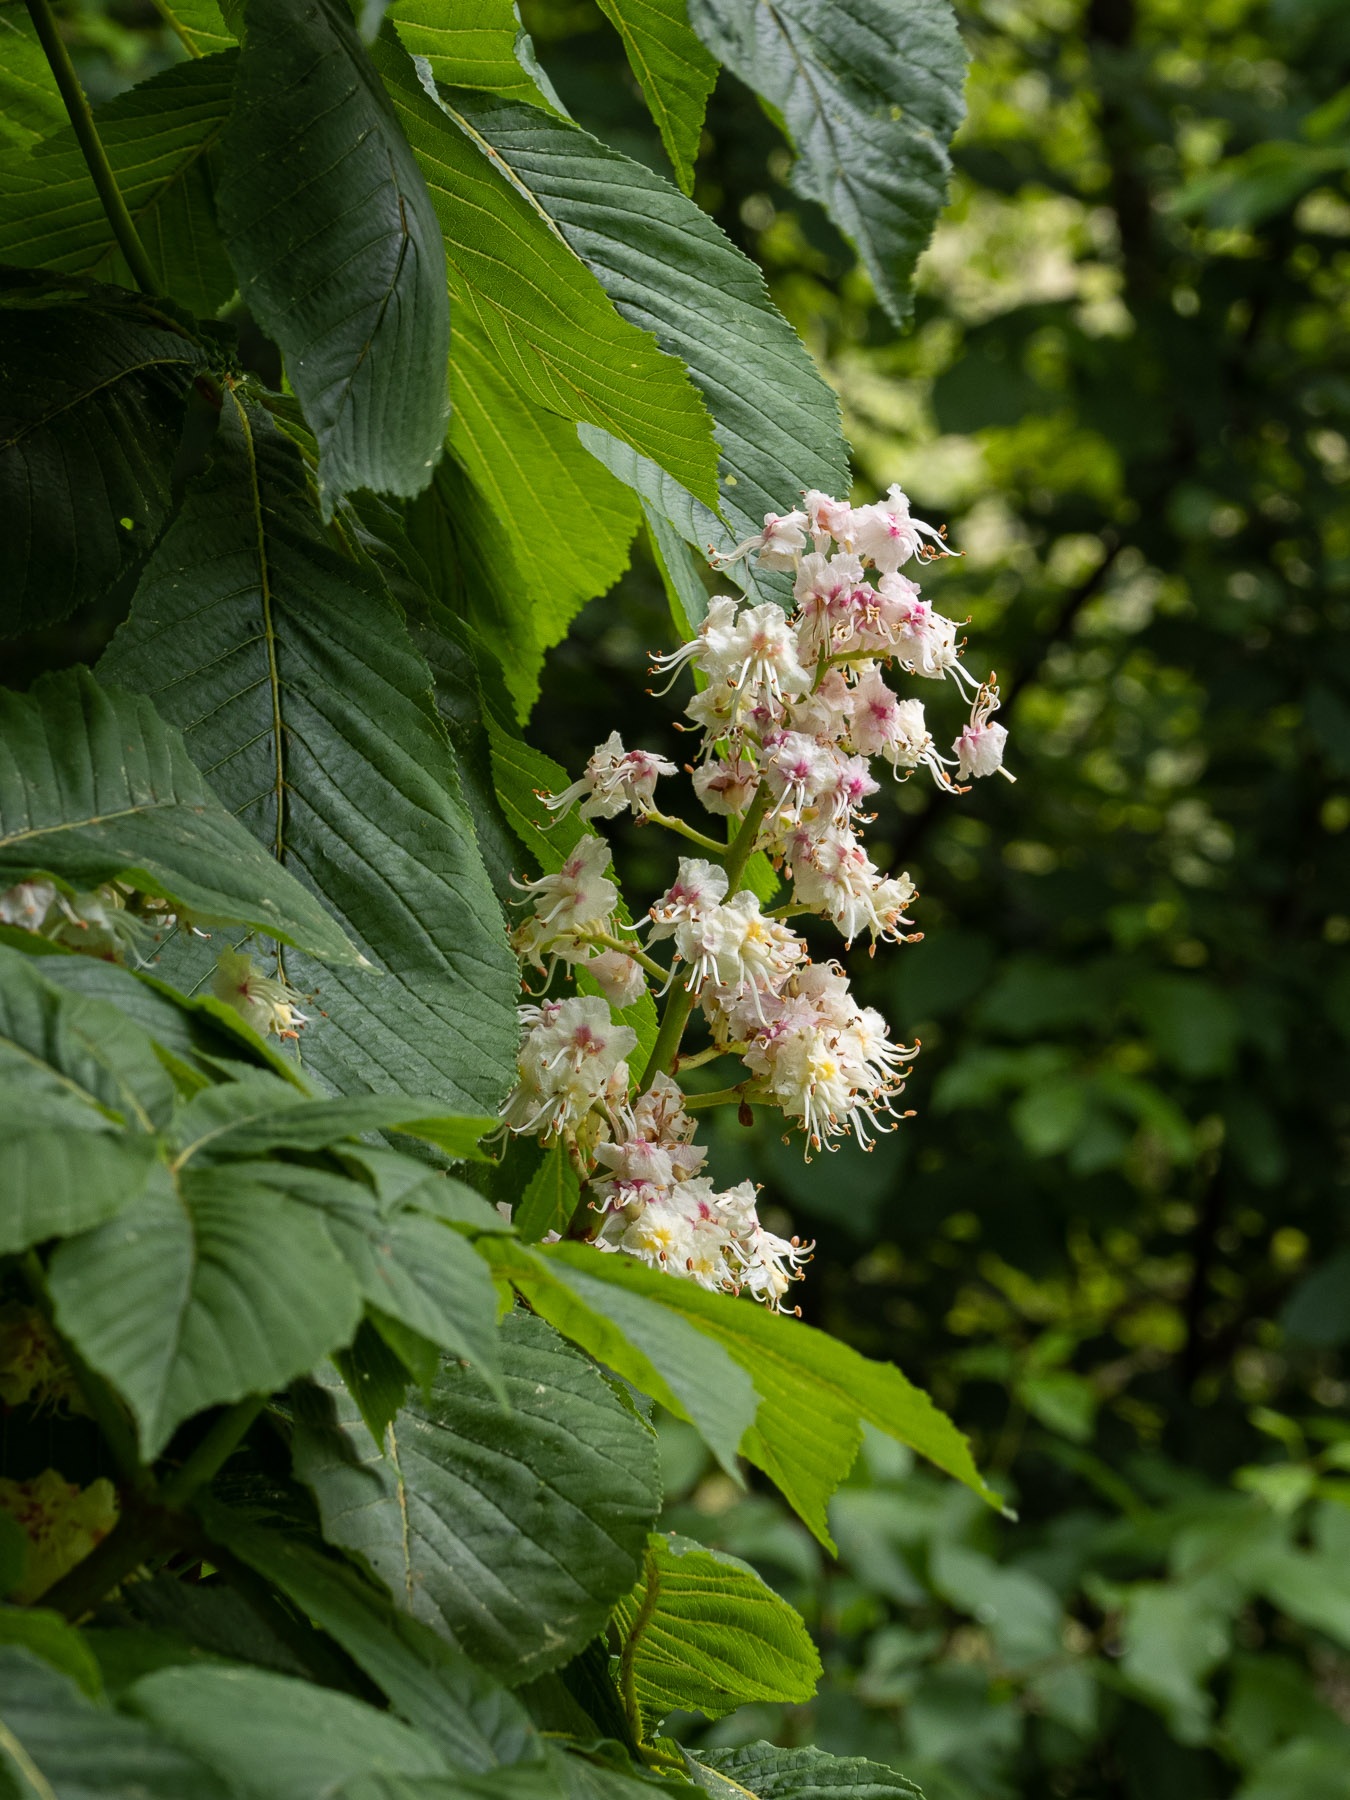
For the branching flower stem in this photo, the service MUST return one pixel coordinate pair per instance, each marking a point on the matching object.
(626, 947)
(730, 1096)
(680, 1001)
(91, 146)
(650, 816)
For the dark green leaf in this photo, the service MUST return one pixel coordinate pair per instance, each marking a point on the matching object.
(58, 1181)
(199, 25)
(870, 96)
(338, 253)
(773, 1773)
(161, 138)
(95, 786)
(512, 1533)
(207, 1289)
(273, 1738)
(675, 72)
(55, 1641)
(358, 793)
(62, 1747)
(375, 1376)
(701, 1631)
(550, 1198)
(30, 105)
(473, 1719)
(92, 385)
(259, 1123)
(669, 269)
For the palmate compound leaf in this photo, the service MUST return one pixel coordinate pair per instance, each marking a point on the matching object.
(56, 1744)
(670, 270)
(537, 305)
(815, 1391)
(869, 92)
(161, 139)
(703, 1632)
(773, 1773)
(247, 620)
(511, 1533)
(92, 386)
(95, 786)
(209, 1287)
(461, 1708)
(333, 237)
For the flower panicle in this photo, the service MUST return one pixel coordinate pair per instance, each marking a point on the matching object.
(799, 723)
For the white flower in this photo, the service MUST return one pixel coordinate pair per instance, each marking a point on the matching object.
(615, 779)
(770, 1264)
(619, 978)
(572, 1060)
(826, 712)
(887, 536)
(697, 888)
(710, 651)
(979, 749)
(734, 945)
(765, 648)
(567, 903)
(28, 904)
(826, 518)
(726, 786)
(797, 770)
(266, 1002)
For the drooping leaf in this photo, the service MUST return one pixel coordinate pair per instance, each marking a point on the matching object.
(568, 533)
(474, 44)
(208, 1288)
(74, 1061)
(679, 571)
(512, 1533)
(669, 269)
(336, 246)
(870, 96)
(415, 1268)
(94, 786)
(30, 105)
(660, 1353)
(375, 1376)
(274, 1738)
(540, 310)
(815, 1391)
(57, 1743)
(471, 1717)
(161, 138)
(60, 1180)
(773, 1773)
(357, 791)
(91, 403)
(674, 70)
(271, 1118)
(703, 1632)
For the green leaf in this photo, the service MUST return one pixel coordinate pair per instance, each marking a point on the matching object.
(473, 44)
(208, 1288)
(30, 105)
(332, 234)
(542, 313)
(60, 1746)
(674, 70)
(550, 1198)
(701, 1631)
(772, 1773)
(567, 545)
(661, 1354)
(522, 773)
(94, 786)
(57, 1642)
(161, 138)
(472, 1718)
(273, 1738)
(512, 1533)
(375, 1376)
(301, 1124)
(73, 1060)
(815, 1391)
(94, 384)
(870, 96)
(357, 793)
(60, 1181)
(414, 1268)
(670, 270)
(679, 571)
(199, 25)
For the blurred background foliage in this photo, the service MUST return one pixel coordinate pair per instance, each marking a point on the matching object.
(1113, 1238)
